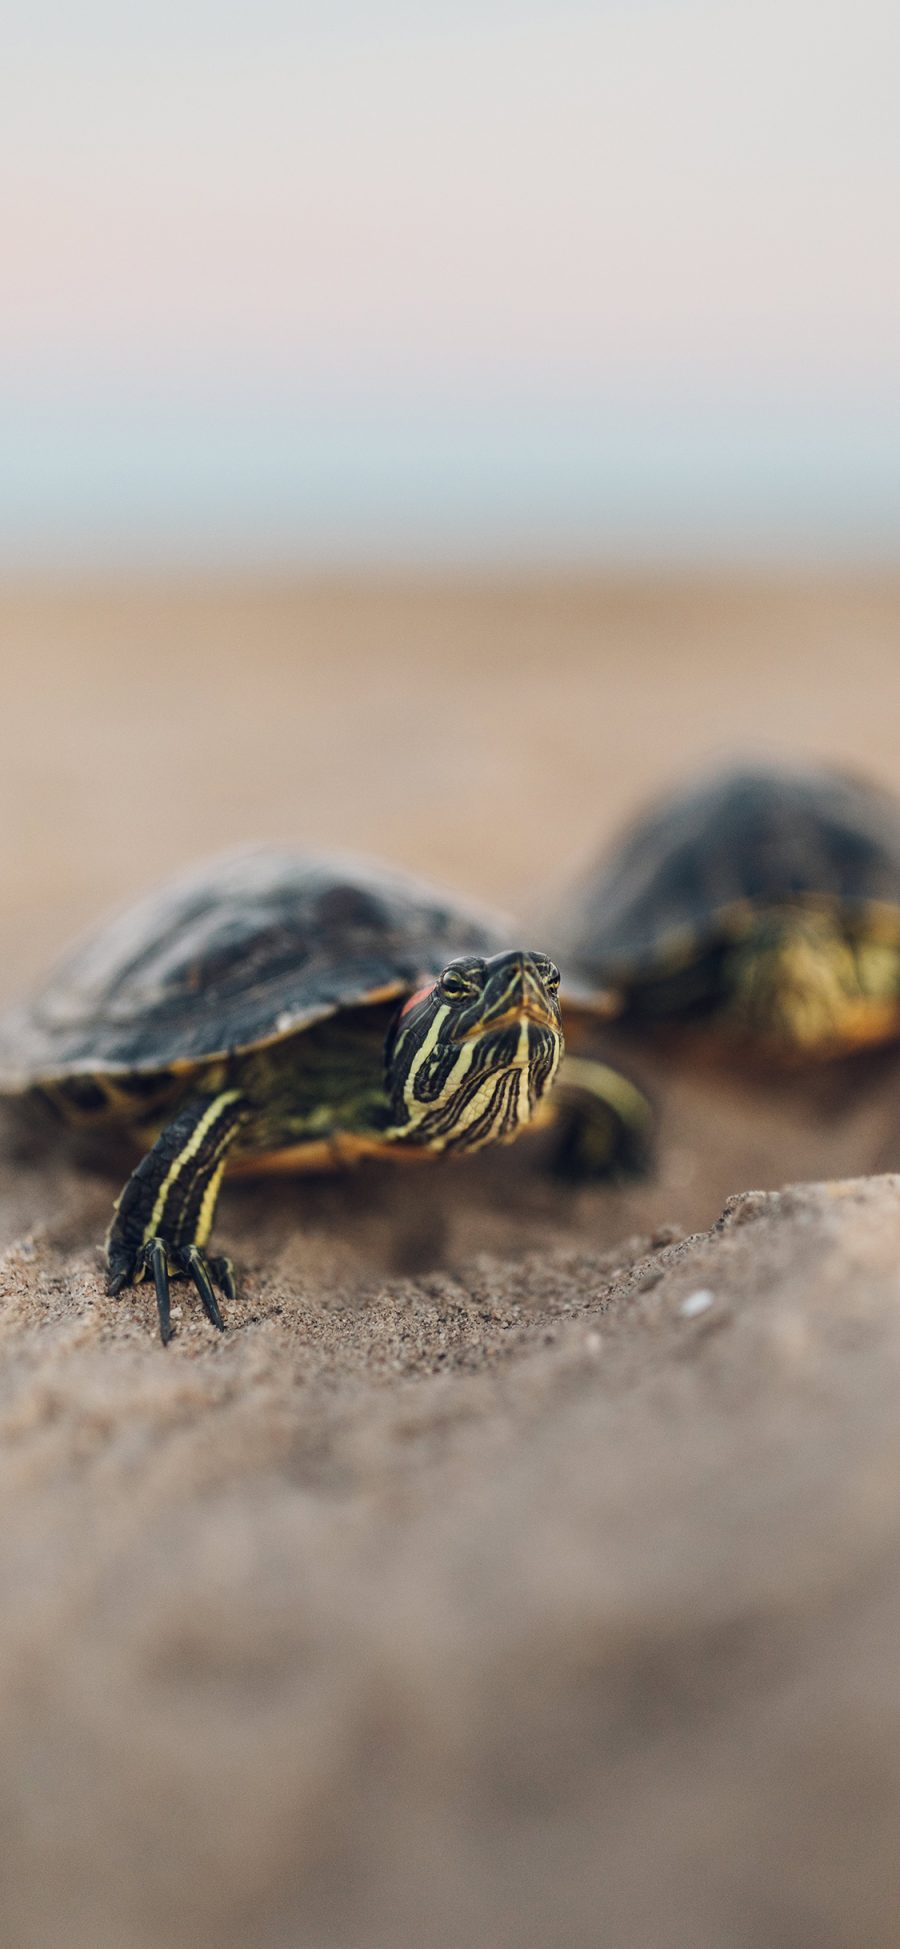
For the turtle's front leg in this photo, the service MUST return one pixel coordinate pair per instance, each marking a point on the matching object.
(164, 1215)
(605, 1123)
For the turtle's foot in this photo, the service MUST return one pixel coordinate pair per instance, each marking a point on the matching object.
(605, 1124)
(163, 1216)
(160, 1262)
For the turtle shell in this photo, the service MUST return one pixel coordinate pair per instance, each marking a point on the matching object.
(247, 949)
(695, 867)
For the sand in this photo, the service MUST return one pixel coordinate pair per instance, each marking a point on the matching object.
(523, 1565)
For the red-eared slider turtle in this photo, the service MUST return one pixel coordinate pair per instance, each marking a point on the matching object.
(279, 1010)
(763, 901)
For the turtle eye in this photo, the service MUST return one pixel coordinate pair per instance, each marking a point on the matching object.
(459, 984)
(549, 974)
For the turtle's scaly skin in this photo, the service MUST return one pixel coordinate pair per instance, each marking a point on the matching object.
(280, 1008)
(765, 899)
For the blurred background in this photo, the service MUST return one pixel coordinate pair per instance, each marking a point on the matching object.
(430, 429)
(414, 284)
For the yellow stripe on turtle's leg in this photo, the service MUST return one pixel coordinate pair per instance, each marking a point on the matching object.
(207, 1210)
(164, 1215)
(190, 1157)
(605, 1122)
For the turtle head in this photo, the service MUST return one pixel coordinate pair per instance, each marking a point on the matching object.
(472, 1054)
(800, 985)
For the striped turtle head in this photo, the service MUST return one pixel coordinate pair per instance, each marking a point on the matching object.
(472, 1054)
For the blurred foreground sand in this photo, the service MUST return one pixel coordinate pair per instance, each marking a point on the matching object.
(467, 1591)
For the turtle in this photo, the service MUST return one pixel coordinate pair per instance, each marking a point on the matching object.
(279, 1009)
(761, 903)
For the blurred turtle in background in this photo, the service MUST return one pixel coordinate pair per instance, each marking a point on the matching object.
(761, 904)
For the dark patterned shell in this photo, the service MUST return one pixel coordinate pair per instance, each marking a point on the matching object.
(241, 951)
(745, 838)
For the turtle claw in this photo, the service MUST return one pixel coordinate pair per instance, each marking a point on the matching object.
(160, 1262)
(222, 1272)
(195, 1266)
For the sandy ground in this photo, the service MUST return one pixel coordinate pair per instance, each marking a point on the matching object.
(474, 1588)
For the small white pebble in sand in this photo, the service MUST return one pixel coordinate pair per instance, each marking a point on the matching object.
(698, 1302)
(593, 1343)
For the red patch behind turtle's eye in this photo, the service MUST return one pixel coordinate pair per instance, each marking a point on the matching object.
(419, 996)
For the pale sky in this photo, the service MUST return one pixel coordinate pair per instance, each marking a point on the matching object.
(365, 282)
